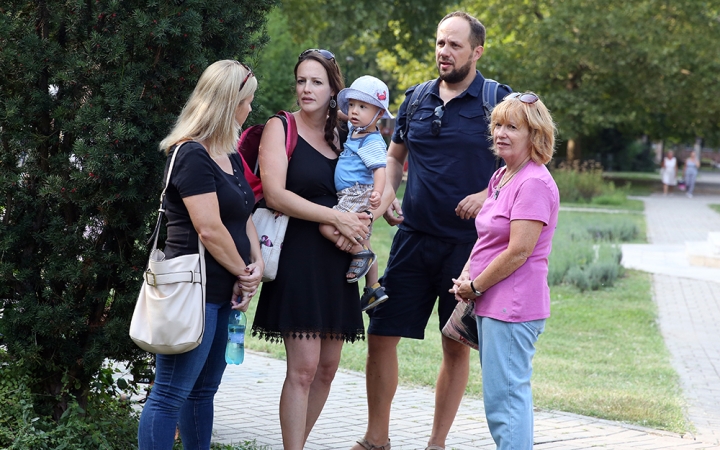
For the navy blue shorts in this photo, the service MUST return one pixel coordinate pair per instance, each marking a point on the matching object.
(419, 271)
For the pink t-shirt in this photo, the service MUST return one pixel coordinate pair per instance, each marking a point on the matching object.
(524, 295)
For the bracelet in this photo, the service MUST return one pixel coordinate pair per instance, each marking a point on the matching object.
(475, 291)
(372, 218)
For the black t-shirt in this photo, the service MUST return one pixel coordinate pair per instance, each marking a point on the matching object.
(196, 173)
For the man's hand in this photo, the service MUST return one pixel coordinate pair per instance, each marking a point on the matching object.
(394, 214)
(470, 206)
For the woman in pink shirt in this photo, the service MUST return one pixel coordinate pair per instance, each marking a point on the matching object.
(506, 274)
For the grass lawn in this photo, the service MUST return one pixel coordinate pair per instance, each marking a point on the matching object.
(628, 205)
(637, 183)
(601, 355)
(570, 221)
(715, 207)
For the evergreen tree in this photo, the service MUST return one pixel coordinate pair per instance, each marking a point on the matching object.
(87, 91)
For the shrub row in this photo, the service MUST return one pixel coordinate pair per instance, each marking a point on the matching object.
(588, 256)
(107, 423)
(583, 182)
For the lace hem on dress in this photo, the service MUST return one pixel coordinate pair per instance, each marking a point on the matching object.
(278, 336)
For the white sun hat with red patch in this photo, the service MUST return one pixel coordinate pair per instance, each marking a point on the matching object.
(367, 89)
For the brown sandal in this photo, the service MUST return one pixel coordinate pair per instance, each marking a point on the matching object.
(434, 447)
(368, 446)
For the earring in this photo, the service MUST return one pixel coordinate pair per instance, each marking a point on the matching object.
(333, 103)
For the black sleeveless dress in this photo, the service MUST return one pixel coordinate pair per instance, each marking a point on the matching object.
(309, 297)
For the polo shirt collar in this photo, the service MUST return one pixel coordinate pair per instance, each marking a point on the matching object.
(474, 90)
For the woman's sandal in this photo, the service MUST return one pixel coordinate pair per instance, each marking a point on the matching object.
(360, 265)
(368, 446)
(434, 447)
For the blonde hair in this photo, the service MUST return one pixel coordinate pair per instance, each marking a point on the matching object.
(209, 114)
(536, 117)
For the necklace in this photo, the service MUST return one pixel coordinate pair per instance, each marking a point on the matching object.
(506, 178)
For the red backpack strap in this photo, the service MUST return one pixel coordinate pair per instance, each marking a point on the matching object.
(292, 134)
(253, 180)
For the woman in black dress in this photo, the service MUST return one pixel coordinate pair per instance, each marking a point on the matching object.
(208, 197)
(309, 306)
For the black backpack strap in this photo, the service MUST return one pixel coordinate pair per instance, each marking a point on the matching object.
(489, 96)
(489, 99)
(416, 98)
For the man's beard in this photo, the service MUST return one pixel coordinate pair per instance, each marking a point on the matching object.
(456, 75)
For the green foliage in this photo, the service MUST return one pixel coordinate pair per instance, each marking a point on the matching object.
(578, 278)
(627, 68)
(622, 231)
(578, 181)
(106, 423)
(633, 66)
(585, 252)
(583, 181)
(618, 151)
(602, 355)
(246, 445)
(88, 90)
(274, 69)
(384, 40)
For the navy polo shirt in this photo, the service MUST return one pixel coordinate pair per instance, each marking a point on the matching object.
(444, 169)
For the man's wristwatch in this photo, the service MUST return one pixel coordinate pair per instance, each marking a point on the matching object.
(475, 291)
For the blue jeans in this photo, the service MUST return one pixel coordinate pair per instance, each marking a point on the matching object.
(690, 177)
(184, 389)
(506, 353)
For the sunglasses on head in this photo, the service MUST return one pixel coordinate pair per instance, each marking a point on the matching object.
(247, 77)
(436, 124)
(324, 53)
(525, 97)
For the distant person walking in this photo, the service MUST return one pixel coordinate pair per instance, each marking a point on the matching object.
(669, 172)
(691, 171)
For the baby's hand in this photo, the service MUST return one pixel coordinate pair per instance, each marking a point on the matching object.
(375, 198)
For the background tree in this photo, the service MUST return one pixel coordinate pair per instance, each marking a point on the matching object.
(88, 89)
(274, 69)
(610, 71)
(635, 67)
(363, 32)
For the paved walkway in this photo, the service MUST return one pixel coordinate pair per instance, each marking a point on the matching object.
(688, 301)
